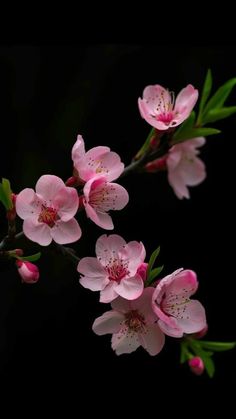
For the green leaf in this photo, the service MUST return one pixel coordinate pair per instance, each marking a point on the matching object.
(219, 98)
(217, 114)
(145, 145)
(193, 133)
(189, 123)
(183, 353)
(31, 258)
(217, 346)
(209, 365)
(152, 261)
(5, 194)
(153, 274)
(205, 94)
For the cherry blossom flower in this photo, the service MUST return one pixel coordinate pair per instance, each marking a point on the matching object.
(114, 270)
(196, 365)
(48, 213)
(132, 324)
(184, 167)
(101, 196)
(176, 312)
(159, 108)
(28, 271)
(97, 161)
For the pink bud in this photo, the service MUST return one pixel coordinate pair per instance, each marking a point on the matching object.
(196, 365)
(156, 165)
(142, 271)
(72, 181)
(28, 271)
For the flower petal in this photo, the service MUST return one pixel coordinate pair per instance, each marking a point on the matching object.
(78, 150)
(174, 331)
(121, 304)
(67, 203)
(49, 186)
(153, 339)
(37, 232)
(124, 342)
(108, 294)
(186, 100)
(109, 322)
(133, 253)
(130, 288)
(194, 318)
(108, 247)
(90, 266)
(111, 166)
(66, 232)
(144, 305)
(28, 204)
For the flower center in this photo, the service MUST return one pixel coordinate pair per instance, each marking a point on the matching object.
(48, 215)
(117, 270)
(135, 321)
(165, 117)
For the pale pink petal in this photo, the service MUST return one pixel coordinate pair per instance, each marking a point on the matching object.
(144, 111)
(192, 171)
(48, 187)
(174, 157)
(153, 339)
(78, 150)
(88, 167)
(108, 294)
(122, 305)
(37, 232)
(174, 331)
(183, 284)
(109, 322)
(195, 142)
(93, 283)
(101, 219)
(163, 284)
(130, 288)
(194, 318)
(108, 247)
(177, 182)
(67, 203)
(144, 305)
(66, 232)
(154, 96)
(186, 100)
(133, 253)
(124, 342)
(110, 166)
(28, 204)
(107, 196)
(90, 266)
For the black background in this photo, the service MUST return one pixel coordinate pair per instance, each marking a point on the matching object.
(49, 94)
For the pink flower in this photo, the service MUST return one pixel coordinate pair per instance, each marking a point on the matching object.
(97, 161)
(159, 108)
(101, 196)
(114, 270)
(176, 312)
(28, 271)
(48, 213)
(196, 365)
(184, 167)
(132, 324)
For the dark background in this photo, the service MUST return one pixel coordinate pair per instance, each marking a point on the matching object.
(49, 94)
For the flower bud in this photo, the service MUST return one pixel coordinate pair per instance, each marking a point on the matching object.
(156, 165)
(28, 271)
(196, 365)
(142, 271)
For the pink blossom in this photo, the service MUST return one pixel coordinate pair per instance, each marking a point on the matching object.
(28, 271)
(184, 167)
(176, 312)
(48, 213)
(159, 108)
(132, 324)
(101, 196)
(97, 161)
(114, 270)
(142, 271)
(196, 365)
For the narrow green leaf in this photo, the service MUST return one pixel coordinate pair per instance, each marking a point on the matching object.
(145, 145)
(189, 123)
(6, 187)
(217, 346)
(209, 365)
(31, 258)
(3, 198)
(152, 260)
(183, 353)
(193, 133)
(205, 94)
(217, 114)
(153, 274)
(220, 96)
